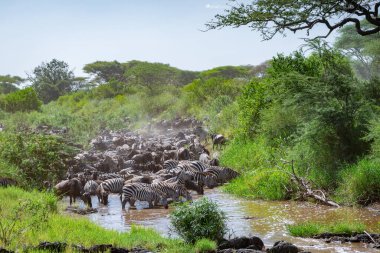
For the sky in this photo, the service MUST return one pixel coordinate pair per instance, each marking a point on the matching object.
(168, 31)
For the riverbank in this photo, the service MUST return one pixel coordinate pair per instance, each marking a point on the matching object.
(28, 228)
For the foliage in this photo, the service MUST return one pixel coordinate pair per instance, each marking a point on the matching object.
(309, 229)
(77, 230)
(52, 79)
(364, 52)
(21, 100)
(37, 157)
(9, 83)
(227, 72)
(205, 246)
(199, 220)
(104, 71)
(276, 17)
(361, 182)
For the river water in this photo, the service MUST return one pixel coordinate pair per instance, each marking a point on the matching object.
(265, 219)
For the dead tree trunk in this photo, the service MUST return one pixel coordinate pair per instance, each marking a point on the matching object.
(307, 191)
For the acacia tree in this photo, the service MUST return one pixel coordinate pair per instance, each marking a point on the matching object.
(271, 17)
(364, 52)
(9, 83)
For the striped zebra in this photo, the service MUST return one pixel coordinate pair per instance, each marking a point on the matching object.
(114, 185)
(90, 187)
(202, 178)
(169, 165)
(132, 192)
(179, 183)
(223, 174)
(6, 181)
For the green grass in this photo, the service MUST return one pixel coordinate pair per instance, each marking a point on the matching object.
(360, 183)
(205, 245)
(76, 230)
(309, 229)
(259, 176)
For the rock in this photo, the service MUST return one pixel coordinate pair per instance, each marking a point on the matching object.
(283, 247)
(239, 251)
(100, 248)
(52, 246)
(254, 243)
(2, 250)
(119, 250)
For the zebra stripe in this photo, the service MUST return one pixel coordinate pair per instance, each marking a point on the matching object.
(114, 185)
(90, 187)
(141, 192)
(5, 182)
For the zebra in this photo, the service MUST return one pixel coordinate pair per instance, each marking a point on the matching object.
(90, 187)
(180, 184)
(114, 185)
(169, 165)
(131, 192)
(198, 175)
(223, 174)
(6, 181)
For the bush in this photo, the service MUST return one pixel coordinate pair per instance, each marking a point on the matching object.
(205, 245)
(21, 100)
(361, 182)
(36, 157)
(199, 220)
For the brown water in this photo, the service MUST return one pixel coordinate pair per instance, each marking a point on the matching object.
(265, 219)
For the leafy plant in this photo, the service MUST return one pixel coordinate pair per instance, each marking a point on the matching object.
(199, 220)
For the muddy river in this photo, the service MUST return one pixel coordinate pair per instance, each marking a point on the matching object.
(267, 220)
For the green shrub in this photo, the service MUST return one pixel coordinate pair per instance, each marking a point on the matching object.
(205, 246)
(36, 157)
(20, 100)
(199, 220)
(360, 182)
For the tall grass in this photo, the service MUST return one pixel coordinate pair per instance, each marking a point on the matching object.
(360, 182)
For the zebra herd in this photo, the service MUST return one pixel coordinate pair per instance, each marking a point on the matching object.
(173, 183)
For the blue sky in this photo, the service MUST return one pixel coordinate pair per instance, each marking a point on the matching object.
(167, 31)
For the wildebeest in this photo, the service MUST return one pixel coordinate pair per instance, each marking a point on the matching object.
(73, 188)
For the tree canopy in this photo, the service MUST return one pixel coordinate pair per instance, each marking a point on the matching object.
(52, 79)
(364, 52)
(271, 17)
(9, 83)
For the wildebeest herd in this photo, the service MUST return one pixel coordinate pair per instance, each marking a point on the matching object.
(157, 166)
(164, 162)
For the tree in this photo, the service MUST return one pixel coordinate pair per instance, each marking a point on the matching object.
(364, 52)
(52, 79)
(9, 83)
(104, 71)
(270, 17)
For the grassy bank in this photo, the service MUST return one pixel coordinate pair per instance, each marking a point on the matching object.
(35, 218)
(309, 229)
